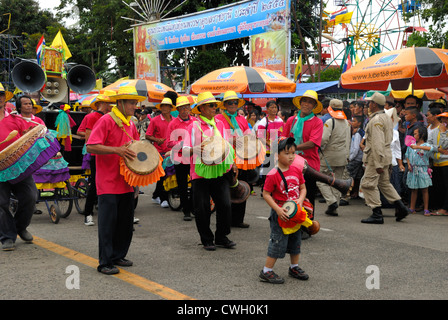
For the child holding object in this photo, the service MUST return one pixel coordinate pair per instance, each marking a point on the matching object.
(417, 158)
(284, 182)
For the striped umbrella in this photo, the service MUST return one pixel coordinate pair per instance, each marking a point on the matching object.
(424, 68)
(243, 80)
(151, 89)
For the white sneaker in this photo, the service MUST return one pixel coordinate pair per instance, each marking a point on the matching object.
(88, 221)
(136, 220)
(156, 200)
(164, 204)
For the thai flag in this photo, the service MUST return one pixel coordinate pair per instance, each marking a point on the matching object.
(337, 13)
(39, 48)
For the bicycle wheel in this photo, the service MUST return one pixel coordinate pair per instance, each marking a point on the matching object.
(55, 213)
(64, 199)
(80, 195)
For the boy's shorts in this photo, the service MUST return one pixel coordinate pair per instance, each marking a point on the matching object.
(280, 243)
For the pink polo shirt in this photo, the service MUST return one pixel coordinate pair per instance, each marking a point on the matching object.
(9, 124)
(35, 119)
(242, 122)
(267, 129)
(312, 131)
(199, 131)
(108, 177)
(176, 133)
(158, 128)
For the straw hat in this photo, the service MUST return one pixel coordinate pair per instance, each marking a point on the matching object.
(204, 98)
(166, 101)
(102, 97)
(8, 94)
(231, 95)
(182, 101)
(38, 107)
(378, 98)
(309, 94)
(392, 112)
(127, 93)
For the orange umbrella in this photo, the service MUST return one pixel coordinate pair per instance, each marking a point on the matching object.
(151, 89)
(425, 94)
(425, 68)
(243, 80)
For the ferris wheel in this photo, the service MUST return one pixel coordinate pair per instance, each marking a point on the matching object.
(357, 29)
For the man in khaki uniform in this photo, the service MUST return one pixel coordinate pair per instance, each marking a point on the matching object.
(335, 150)
(377, 159)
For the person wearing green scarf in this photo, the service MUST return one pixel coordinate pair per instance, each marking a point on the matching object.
(237, 126)
(307, 131)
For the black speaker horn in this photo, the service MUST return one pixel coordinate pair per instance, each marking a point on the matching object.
(80, 78)
(28, 76)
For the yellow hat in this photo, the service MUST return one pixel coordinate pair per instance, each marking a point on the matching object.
(8, 94)
(102, 97)
(166, 101)
(182, 101)
(204, 98)
(129, 93)
(309, 94)
(231, 95)
(38, 107)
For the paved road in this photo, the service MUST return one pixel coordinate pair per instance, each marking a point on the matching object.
(400, 260)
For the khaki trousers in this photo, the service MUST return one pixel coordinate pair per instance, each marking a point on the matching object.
(330, 194)
(372, 183)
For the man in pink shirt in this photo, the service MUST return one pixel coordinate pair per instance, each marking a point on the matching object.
(24, 106)
(109, 143)
(307, 130)
(177, 133)
(217, 187)
(25, 191)
(157, 134)
(237, 126)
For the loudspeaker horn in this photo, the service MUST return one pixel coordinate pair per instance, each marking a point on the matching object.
(80, 78)
(28, 76)
(55, 90)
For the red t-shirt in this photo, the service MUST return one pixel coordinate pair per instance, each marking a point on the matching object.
(8, 124)
(82, 126)
(176, 133)
(108, 177)
(158, 128)
(91, 119)
(312, 131)
(275, 185)
(242, 123)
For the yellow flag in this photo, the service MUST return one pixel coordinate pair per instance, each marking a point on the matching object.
(16, 91)
(298, 70)
(99, 84)
(344, 18)
(59, 43)
(443, 46)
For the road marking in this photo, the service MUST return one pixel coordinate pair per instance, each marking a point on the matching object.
(124, 275)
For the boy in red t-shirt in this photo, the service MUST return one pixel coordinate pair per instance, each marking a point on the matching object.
(276, 193)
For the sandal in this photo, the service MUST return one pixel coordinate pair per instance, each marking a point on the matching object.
(427, 213)
(412, 210)
(437, 213)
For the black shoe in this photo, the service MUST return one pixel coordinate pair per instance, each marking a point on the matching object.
(375, 218)
(25, 236)
(123, 263)
(332, 210)
(401, 211)
(298, 273)
(209, 247)
(343, 202)
(270, 277)
(241, 225)
(187, 217)
(109, 270)
(226, 243)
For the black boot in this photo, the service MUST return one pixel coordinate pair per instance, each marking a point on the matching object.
(375, 218)
(331, 211)
(401, 211)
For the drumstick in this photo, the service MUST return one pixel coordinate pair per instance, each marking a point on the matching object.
(10, 136)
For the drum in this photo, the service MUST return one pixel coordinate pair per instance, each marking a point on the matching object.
(291, 208)
(27, 154)
(146, 168)
(217, 157)
(249, 152)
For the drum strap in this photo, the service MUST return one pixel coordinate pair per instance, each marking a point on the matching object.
(284, 180)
